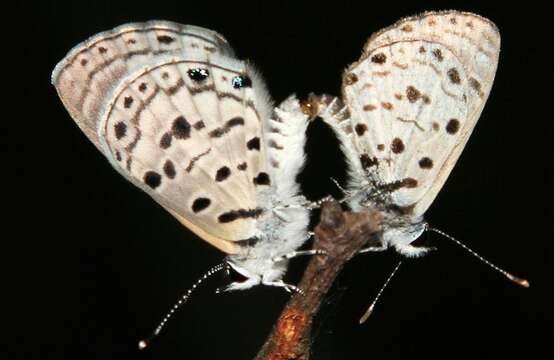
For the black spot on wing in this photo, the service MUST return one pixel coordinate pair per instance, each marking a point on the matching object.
(199, 125)
(165, 141)
(169, 169)
(360, 129)
(397, 146)
(198, 75)
(452, 126)
(425, 163)
(236, 121)
(391, 187)
(233, 215)
(152, 179)
(127, 102)
(220, 131)
(200, 204)
(262, 179)
(253, 144)
(165, 39)
(120, 129)
(379, 58)
(181, 128)
(241, 81)
(454, 76)
(437, 53)
(368, 162)
(222, 173)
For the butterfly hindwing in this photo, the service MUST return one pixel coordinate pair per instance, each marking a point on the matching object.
(414, 98)
(403, 113)
(180, 131)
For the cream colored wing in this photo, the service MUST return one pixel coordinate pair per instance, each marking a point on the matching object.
(184, 126)
(88, 74)
(414, 98)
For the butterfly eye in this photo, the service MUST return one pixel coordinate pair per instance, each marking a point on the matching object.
(241, 81)
(198, 75)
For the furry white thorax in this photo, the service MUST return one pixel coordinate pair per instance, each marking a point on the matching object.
(397, 231)
(281, 228)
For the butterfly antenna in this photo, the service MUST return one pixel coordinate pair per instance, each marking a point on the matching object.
(517, 280)
(145, 342)
(372, 306)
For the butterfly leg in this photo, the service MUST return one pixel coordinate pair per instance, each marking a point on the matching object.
(373, 249)
(311, 205)
(306, 204)
(288, 287)
(239, 285)
(251, 279)
(347, 194)
(299, 253)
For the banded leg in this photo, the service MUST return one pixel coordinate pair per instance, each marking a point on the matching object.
(299, 253)
(288, 287)
(373, 249)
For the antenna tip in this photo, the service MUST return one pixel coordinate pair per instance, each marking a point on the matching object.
(142, 344)
(519, 281)
(365, 316)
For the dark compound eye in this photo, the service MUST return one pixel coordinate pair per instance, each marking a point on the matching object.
(241, 81)
(198, 74)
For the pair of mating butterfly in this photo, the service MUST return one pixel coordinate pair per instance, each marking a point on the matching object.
(178, 116)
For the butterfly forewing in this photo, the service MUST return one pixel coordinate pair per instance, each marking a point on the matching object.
(89, 73)
(414, 98)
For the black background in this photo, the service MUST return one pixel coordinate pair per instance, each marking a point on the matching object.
(96, 263)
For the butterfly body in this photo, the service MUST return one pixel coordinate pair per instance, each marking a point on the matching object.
(179, 117)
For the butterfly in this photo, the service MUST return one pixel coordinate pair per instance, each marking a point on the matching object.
(410, 104)
(181, 118)
(408, 107)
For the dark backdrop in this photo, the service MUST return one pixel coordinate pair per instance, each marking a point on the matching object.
(96, 263)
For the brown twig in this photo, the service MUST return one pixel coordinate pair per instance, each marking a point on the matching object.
(341, 235)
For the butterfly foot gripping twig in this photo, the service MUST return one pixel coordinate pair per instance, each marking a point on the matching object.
(288, 287)
(299, 253)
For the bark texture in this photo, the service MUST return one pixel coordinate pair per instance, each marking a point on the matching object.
(341, 234)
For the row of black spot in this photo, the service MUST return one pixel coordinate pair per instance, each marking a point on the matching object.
(367, 162)
(153, 179)
(181, 129)
(451, 128)
(198, 75)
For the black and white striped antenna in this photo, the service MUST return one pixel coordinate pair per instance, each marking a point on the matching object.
(145, 342)
(517, 280)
